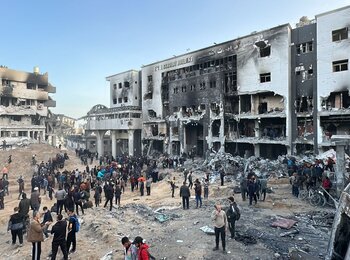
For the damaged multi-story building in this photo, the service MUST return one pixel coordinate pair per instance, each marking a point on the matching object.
(24, 104)
(117, 130)
(231, 96)
(279, 91)
(333, 75)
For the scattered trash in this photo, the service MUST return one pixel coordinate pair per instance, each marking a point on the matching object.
(208, 230)
(196, 222)
(284, 223)
(179, 241)
(288, 233)
(245, 239)
(161, 217)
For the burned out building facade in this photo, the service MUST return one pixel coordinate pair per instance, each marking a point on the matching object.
(231, 96)
(333, 75)
(279, 91)
(24, 104)
(116, 129)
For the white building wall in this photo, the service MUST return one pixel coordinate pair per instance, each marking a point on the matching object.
(328, 52)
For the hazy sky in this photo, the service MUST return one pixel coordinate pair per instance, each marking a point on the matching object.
(80, 42)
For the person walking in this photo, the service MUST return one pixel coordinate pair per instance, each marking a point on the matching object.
(60, 195)
(20, 182)
(148, 186)
(47, 218)
(130, 250)
(59, 231)
(220, 226)
(172, 186)
(16, 226)
(72, 230)
(243, 185)
(142, 252)
(263, 188)
(117, 194)
(97, 195)
(35, 199)
(190, 182)
(35, 235)
(109, 192)
(206, 188)
(233, 214)
(252, 190)
(185, 193)
(198, 193)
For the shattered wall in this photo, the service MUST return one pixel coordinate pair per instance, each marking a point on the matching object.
(330, 50)
(304, 88)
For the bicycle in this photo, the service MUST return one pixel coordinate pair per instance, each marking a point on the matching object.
(314, 196)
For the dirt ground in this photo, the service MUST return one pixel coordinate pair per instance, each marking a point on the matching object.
(178, 238)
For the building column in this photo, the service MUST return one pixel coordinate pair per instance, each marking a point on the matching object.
(340, 166)
(114, 143)
(222, 134)
(99, 141)
(257, 150)
(131, 142)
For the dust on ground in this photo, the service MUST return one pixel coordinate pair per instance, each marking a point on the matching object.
(180, 236)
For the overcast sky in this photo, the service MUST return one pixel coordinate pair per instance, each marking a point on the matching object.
(81, 42)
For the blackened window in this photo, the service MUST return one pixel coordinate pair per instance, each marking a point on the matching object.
(184, 89)
(120, 100)
(114, 101)
(265, 52)
(120, 85)
(150, 78)
(125, 99)
(212, 84)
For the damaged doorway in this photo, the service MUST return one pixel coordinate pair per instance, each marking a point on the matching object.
(194, 138)
(175, 148)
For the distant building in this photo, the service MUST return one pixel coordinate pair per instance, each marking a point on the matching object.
(24, 103)
(117, 130)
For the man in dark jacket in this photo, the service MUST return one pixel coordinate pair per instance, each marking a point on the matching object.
(233, 214)
(252, 190)
(24, 205)
(59, 238)
(16, 227)
(109, 196)
(117, 194)
(185, 194)
(198, 192)
(47, 218)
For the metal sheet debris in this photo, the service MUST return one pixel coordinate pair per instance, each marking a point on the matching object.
(284, 223)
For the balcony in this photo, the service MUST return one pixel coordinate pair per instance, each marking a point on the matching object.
(51, 89)
(50, 103)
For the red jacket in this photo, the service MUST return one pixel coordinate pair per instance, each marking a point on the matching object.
(143, 252)
(326, 184)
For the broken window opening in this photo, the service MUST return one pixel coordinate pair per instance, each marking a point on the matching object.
(305, 129)
(175, 109)
(262, 108)
(152, 113)
(340, 34)
(212, 84)
(154, 130)
(120, 85)
(176, 90)
(125, 99)
(202, 86)
(114, 101)
(231, 105)
(215, 108)
(184, 88)
(305, 47)
(338, 100)
(304, 104)
(175, 131)
(340, 65)
(148, 96)
(265, 77)
(120, 100)
(230, 82)
(31, 86)
(114, 86)
(265, 52)
(246, 103)
(150, 78)
(193, 87)
(246, 129)
(215, 128)
(127, 84)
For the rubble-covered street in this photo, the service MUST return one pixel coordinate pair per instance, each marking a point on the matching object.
(174, 233)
